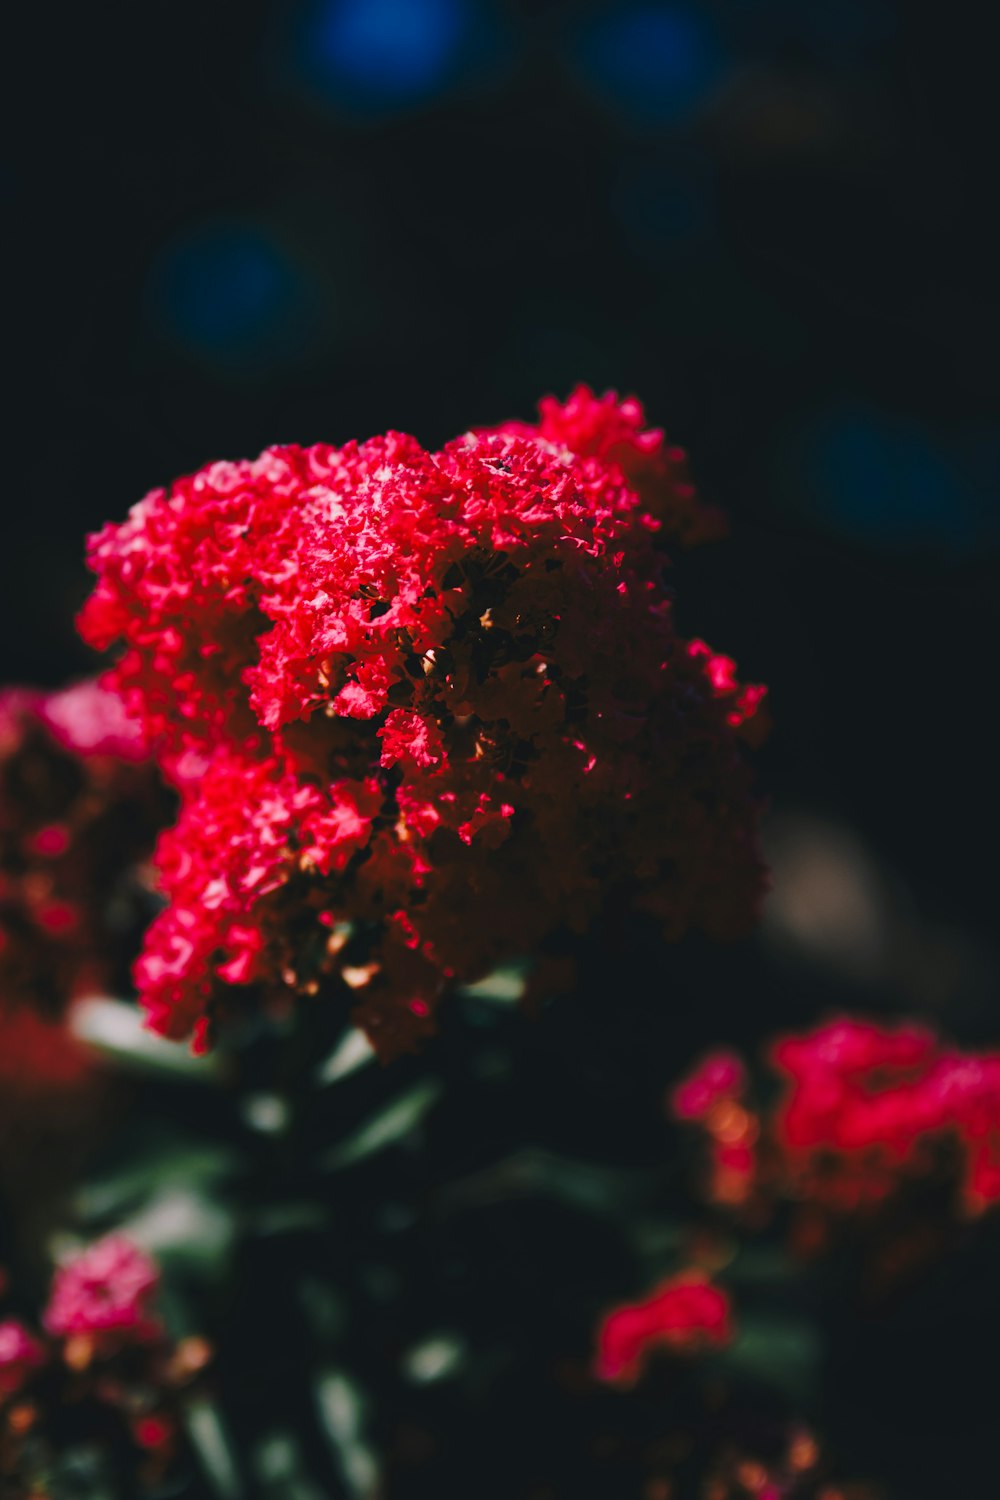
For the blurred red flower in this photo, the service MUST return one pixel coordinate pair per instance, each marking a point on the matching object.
(686, 1314)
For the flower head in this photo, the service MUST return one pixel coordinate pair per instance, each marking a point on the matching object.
(685, 1314)
(424, 710)
(719, 1077)
(105, 1380)
(20, 1354)
(105, 1289)
(864, 1106)
(869, 1096)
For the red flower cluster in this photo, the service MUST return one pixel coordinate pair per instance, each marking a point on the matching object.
(873, 1095)
(79, 808)
(686, 1314)
(718, 1078)
(20, 1354)
(105, 1367)
(862, 1107)
(424, 711)
(104, 1293)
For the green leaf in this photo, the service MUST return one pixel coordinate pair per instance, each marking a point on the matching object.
(325, 1308)
(150, 1167)
(534, 1170)
(82, 1470)
(279, 1468)
(354, 1051)
(767, 1265)
(777, 1350)
(181, 1227)
(115, 1029)
(341, 1408)
(435, 1359)
(214, 1447)
(289, 1218)
(505, 986)
(266, 1113)
(387, 1127)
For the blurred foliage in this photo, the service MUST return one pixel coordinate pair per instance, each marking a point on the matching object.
(390, 1259)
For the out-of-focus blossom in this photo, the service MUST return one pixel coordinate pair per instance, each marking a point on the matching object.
(106, 1289)
(103, 1371)
(685, 1315)
(713, 1097)
(20, 1354)
(88, 720)
(719, 1077)
(872, 1096)
(864, 1107)
(798, 1471)
(80, 804)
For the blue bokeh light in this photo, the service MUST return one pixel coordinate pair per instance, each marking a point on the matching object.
(380, 52)
(656, 64)
(228, 293)
(883, 481)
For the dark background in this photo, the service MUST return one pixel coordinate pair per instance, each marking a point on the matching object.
(230, 225)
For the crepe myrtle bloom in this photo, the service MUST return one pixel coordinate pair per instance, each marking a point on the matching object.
(684, 1315)
(103, 1370)
(21, 1354)
(104, 1291)
(864, 1107)
(424, 711)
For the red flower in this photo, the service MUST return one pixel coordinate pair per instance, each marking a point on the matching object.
(105, 1289)
(88, 720)
(108, 1374)
(719, 1076)
(423, 710)
(153, 1431)
(686, 1314)
(79, 806)
(712, 1096)
(742, 701)
(20, 1354)
(869, 1095)
(862, 1103)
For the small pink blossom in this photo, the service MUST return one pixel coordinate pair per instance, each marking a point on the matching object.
(106, 1288)
(685, 1314)
(20, 1353)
